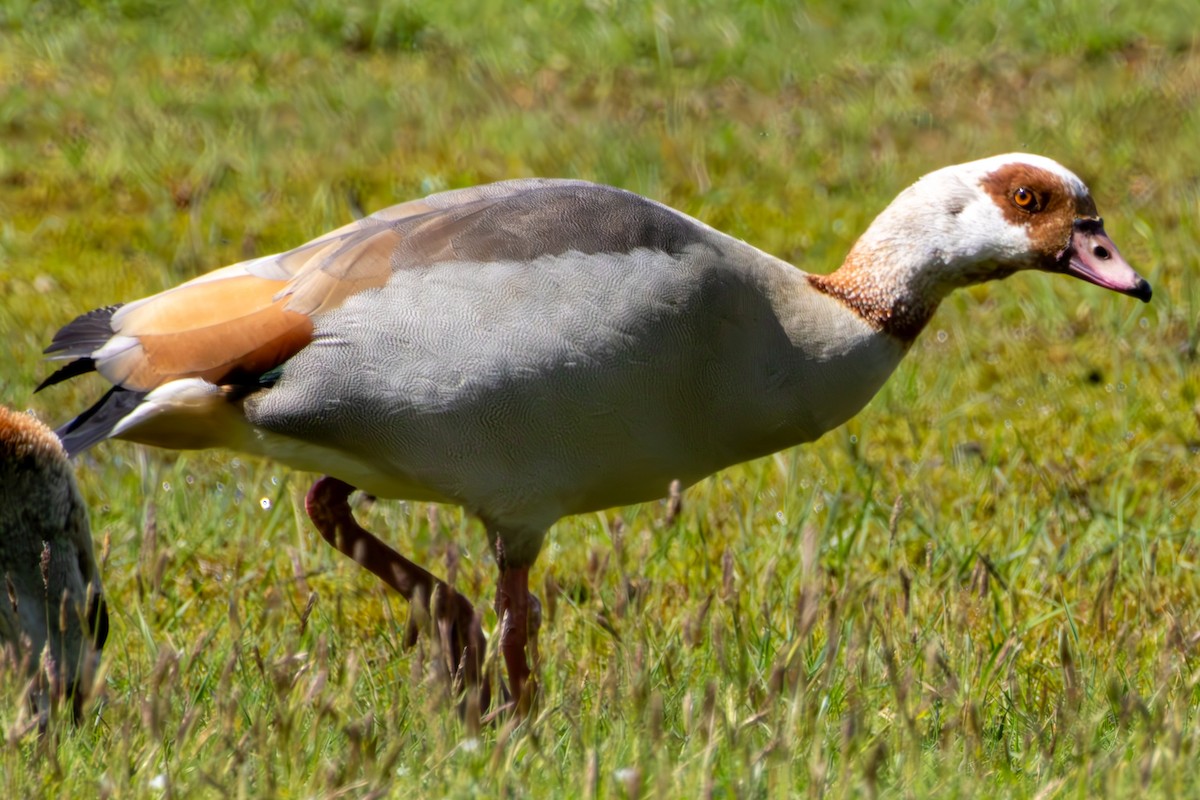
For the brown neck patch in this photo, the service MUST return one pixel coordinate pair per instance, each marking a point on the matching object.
(900, 312)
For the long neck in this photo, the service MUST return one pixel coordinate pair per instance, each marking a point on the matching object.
(906, 261)
(885, 289)
(936, 236)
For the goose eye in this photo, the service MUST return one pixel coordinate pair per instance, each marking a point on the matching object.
(1026, 200)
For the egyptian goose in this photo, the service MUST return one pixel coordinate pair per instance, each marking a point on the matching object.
(52, 611)
(537, 348)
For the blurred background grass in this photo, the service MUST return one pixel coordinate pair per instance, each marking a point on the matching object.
(1022, 623)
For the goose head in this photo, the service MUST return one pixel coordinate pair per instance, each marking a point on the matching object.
(976, 222)
(53, 617)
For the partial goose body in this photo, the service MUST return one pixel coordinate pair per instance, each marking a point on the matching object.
(525, 382)
(537, 348)
(542, 388)
(52, 611)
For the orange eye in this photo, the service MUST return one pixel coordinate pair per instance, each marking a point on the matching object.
(1026, 200)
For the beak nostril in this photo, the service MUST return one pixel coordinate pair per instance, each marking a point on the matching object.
(1100, 252)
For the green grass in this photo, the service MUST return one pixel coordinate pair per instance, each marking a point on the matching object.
(984, 585)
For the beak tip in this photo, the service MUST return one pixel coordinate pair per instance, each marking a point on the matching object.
(1091, 256)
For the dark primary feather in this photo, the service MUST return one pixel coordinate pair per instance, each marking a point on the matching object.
(95, 425)
(77, 340)
(80, 366)
(83, 335)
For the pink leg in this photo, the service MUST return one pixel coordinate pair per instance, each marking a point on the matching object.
(520, 615)
(459, 626)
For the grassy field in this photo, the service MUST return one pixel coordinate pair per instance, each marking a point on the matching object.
(986, 585)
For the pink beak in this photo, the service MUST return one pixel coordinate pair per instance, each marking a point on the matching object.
(1092, 256)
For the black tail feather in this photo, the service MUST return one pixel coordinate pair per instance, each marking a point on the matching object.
(84, 335)
(96, 424)
(79, 366)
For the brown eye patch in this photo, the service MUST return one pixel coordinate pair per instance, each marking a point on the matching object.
(1040, 202)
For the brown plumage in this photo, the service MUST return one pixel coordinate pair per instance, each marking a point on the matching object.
(53, 620)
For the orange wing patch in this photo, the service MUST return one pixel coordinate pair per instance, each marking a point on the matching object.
(210, 329)
(246, 318)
